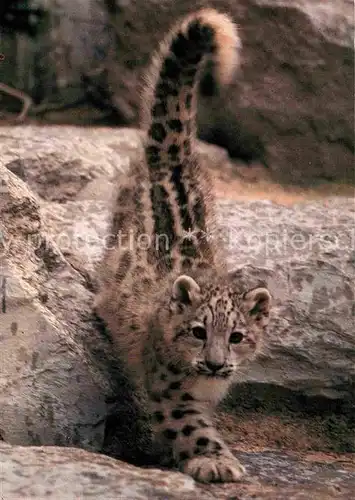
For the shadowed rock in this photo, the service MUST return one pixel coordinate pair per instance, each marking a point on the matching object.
(68, 473)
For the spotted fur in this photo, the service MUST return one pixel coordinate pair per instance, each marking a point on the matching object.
(178, 319)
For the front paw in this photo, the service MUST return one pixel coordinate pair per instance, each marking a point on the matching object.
(214, 469)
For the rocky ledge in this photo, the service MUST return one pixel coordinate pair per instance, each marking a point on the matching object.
(36, 473)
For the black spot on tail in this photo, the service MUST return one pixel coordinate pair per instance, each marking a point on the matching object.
(171, 69)
(176, 179)
(201, 35)
(173, 152)
(157, 132)
(180, 46)
(163, 220)
(166, 88)
(191, 47)
(175, 125)
(153, 154)
(160, 109)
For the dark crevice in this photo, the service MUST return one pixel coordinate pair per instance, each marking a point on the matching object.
(240, 145)
(335, 417)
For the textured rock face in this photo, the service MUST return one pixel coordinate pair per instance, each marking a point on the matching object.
(290, 107)
(68, 473)
(50, 472)
(67, 44)
(60, 381)
(292, 102)
(306, 256)
(41, 362)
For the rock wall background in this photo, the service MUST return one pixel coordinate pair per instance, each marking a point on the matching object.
(290, 107)
(32, 472)
(69, 40)
(290, 104)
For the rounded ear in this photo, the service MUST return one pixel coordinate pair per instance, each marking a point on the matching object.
(257, 302)
(185, 290)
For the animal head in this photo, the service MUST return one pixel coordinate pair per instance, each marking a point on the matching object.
(214, 328)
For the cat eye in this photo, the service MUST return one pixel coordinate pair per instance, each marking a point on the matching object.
(236, 337)
(199, 332)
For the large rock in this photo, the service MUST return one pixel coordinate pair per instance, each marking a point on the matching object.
(54, 51)
(305, 254)
(58, 378)
(291, 105)
(61, 383)
(67, 473)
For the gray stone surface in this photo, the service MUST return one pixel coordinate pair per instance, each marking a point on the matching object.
(69, 43)
(291, 104)
(43, 369)
(36, 473)
(305, 253)
(68, 473)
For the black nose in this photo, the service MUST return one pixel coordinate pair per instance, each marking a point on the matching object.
(214, 367)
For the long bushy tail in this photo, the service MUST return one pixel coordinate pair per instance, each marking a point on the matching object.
(172, 83)
(180, 195)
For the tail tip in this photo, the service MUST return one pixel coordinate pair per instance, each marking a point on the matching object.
(227, 41)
